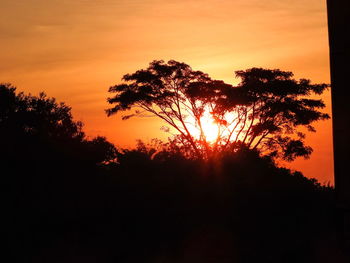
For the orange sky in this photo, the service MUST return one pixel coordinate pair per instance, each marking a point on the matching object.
(75, 50)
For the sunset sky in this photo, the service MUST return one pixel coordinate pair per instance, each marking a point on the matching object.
(75, 49)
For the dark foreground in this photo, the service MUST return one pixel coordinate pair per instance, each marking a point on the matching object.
(66, 199)
(241, 209)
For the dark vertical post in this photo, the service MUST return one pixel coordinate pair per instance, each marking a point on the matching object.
(339, 41)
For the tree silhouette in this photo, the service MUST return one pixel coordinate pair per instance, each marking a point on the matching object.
(38, 126)
(263, 112)
(273, 106)
(162, 90)
(36, 115)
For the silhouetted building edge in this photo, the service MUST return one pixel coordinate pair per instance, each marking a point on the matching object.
(339, 42)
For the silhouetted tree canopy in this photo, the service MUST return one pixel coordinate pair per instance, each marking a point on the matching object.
(37, 126)
(265, 111)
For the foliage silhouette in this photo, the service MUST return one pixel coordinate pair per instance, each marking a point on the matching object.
(264, 111)
(70, 199)
(39, 124)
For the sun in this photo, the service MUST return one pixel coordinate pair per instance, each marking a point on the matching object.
(210, 128)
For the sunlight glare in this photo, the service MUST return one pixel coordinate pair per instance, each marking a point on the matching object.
(210, 128)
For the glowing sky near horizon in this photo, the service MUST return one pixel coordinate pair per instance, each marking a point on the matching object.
(75, 50)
